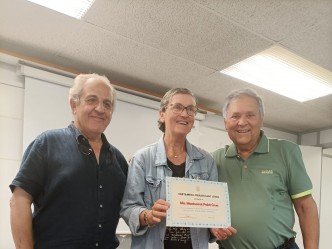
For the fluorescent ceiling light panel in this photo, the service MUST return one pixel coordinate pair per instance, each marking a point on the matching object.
(73, 8)
(285, 73)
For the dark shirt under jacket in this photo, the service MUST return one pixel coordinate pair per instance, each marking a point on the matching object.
(76, 201)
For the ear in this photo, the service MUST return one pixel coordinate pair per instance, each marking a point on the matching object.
(73, 105)
(261, 121)
(225, 124)
(162, 116)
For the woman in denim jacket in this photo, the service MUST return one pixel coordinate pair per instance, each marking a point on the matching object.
(143, 205)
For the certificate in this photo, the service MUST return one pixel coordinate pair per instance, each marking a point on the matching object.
(197, 203)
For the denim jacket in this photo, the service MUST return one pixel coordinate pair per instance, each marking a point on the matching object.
(146, 183)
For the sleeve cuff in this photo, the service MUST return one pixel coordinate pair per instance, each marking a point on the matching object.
(308, 192)
(135, 226)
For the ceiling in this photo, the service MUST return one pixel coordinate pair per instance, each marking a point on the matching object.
(156, 45)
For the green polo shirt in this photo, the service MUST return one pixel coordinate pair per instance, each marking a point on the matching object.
(261, 189)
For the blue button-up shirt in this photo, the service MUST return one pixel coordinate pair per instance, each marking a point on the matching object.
(146, 184)
(76, 201)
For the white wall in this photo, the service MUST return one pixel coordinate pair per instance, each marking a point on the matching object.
(312, 157)
(326, 200)
(321, 138)
(17, 104)
(11, 127)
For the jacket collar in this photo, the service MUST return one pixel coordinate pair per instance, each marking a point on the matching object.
(192, 153)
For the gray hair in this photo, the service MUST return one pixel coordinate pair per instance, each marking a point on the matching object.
(236, 94)
(167, 98)
(75, 92)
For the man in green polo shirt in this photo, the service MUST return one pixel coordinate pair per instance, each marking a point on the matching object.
(266, 178)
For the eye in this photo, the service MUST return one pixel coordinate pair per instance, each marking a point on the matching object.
(108, 105)
(192, 109)
(235, 116)
(91, 100)
(251, 115)
(178, 107)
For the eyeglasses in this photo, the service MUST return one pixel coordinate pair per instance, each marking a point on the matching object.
(82, 147)
(94, 101)
(177, 108)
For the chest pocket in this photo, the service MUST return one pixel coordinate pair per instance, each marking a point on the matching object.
(152, 191)
(199, 176)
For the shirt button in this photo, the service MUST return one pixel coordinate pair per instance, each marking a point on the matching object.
(245, 166)
(100, 186)
(99, 225)
(101, 205)
(97, 244)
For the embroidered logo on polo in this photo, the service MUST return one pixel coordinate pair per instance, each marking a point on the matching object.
(267, 171)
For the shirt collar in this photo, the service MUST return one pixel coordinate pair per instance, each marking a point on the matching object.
(80, 138)
(262, 147)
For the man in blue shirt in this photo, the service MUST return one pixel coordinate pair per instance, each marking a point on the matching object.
(73, 176)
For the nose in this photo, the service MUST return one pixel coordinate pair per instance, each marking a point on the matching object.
(185, 112)
(100, 107)
(242, 120)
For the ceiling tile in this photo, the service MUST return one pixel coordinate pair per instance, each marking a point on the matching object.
(275, 20)
(181, 28)
(323, 103)
(314, 43)
(123, 56)
(34, 27)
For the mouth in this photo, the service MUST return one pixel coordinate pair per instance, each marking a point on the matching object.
(182, 122)
(243, 131)
(98, 118)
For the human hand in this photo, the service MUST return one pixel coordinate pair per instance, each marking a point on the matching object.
(223, 233)
(158, 212)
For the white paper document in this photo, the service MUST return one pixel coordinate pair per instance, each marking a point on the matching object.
(197, 203)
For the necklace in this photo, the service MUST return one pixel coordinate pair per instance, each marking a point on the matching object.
(175, 150)
(177, 156)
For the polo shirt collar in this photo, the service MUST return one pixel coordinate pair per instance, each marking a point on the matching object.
(262, 147)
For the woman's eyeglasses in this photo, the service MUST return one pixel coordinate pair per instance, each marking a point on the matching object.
(178, 108)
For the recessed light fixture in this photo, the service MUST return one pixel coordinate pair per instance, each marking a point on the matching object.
(285, 73)
(73, 8)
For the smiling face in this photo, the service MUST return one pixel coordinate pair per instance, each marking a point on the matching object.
(178, 124)
(243, 122)
(93, 111)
